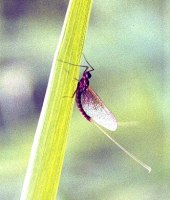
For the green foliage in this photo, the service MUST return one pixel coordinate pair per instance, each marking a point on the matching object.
(45, 165)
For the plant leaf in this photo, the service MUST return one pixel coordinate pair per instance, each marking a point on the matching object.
(45, 165)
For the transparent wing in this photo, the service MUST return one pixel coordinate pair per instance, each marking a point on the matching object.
(94, 108)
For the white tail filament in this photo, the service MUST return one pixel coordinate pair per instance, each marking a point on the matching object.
(123, 149)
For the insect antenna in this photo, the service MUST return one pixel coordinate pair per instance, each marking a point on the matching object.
(123, 149)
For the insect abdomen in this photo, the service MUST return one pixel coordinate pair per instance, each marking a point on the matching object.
(79, 105)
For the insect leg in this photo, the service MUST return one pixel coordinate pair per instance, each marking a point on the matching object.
(92, 69)
(71, 96)
(76, 79)
(87, 67)
(74, 93)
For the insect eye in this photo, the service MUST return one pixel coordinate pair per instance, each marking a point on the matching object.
(88, 75)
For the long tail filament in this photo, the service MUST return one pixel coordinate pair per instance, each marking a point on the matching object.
(123, 149)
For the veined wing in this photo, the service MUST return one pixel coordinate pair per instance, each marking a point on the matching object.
(94, 108)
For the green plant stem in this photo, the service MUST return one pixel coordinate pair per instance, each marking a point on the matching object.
(45, 164)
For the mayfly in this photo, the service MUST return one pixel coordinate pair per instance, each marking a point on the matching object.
(94, 110)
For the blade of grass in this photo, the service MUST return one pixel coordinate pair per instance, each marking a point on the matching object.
(45, 165)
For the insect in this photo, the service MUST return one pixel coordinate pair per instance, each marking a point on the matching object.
(89, 103)
(94, 110)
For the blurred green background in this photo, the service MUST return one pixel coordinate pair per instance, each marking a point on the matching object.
(127, 45)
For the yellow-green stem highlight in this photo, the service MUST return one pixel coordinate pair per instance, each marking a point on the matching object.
(46, 160)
